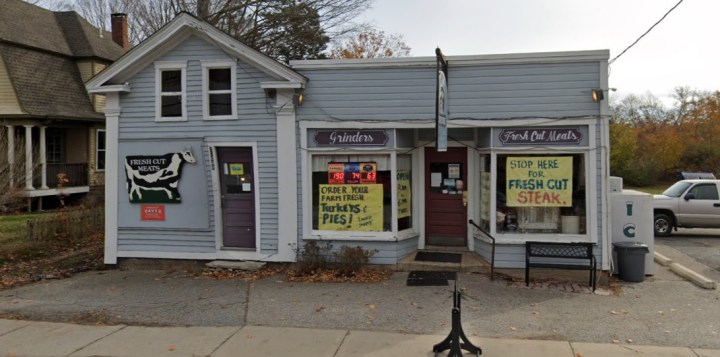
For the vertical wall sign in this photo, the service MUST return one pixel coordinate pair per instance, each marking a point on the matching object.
(404, 194)
(540, 181)
(441, 102)
(155, 179)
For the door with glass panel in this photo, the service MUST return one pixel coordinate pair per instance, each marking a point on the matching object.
(237, 181)
(445, 186)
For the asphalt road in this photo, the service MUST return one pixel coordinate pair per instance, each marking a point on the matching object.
(701, 244)
(665, 310)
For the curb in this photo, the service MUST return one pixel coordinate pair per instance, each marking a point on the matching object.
(686, 273)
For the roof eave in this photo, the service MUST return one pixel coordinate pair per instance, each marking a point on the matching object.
(472, 60)
(186, 22)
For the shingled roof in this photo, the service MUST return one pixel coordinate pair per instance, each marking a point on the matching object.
(64, 33)
(40, 48)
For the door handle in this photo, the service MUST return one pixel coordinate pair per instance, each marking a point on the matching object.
(465, 198)
(716, 204)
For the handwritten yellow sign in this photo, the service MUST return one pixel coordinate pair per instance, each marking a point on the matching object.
(544, 181)
(404, 194)
(351, 207)
(237, 169)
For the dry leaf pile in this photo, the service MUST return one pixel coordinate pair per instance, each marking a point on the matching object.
(365, 275)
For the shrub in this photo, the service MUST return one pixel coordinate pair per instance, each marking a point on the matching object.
(351, 259)
(312, 257)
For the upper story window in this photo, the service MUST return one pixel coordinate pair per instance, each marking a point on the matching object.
(170, 91)
(219, 91)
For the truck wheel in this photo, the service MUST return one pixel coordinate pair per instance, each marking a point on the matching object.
(663, 224)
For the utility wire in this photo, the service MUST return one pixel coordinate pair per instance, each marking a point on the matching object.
(646, 32)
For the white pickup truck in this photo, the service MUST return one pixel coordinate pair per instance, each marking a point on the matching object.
(687, 204)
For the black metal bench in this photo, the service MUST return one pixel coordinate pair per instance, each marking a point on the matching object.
(545, 255)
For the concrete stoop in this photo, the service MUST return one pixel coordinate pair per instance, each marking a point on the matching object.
(470, 263)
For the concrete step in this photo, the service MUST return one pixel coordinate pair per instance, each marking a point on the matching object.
(470, 262)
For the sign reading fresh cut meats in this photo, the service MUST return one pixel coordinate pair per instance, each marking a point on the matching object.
(155, 179)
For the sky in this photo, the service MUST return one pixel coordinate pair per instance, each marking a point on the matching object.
(683, 50)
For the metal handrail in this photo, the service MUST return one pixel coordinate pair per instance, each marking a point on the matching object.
(492, 256)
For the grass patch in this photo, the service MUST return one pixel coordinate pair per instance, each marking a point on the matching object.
(23, 260)
(655, 189)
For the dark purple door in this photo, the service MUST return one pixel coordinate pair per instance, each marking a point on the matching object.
(237, 181)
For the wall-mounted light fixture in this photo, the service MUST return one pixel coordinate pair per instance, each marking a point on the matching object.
(598, 94)
(298, 99)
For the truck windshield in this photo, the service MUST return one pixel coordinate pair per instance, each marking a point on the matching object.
(677, 189)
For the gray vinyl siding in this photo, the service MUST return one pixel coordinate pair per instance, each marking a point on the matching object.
(256, 124)
(384, 253)
(477, 92)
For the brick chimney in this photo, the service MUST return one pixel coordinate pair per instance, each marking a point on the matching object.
(120, 30)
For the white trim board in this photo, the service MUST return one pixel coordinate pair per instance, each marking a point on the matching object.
(172, 34)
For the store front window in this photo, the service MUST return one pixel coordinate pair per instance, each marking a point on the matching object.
(404, 192)
(351, 193)
(541, 193)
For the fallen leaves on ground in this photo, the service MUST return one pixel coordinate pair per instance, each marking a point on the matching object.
(57, 259)
(230, 274)
(365, 275)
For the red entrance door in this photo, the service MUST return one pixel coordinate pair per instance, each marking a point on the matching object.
(238, 196)
(445, 182)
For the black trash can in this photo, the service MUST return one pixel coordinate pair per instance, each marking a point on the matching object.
(631, 260)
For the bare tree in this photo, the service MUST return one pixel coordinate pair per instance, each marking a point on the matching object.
(98, 12)
(283, 29)
(53, 5)
(635, 110)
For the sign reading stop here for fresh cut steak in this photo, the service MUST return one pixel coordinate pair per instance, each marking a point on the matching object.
(539, 181)
(350, 207)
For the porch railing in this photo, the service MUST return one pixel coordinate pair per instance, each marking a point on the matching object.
(76, 175)
(492, 254)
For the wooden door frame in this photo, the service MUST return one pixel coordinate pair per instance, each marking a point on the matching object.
(231, 253)
(471, 185)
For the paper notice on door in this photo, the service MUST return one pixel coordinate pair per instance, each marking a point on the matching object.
(435, 179)
(454, 171)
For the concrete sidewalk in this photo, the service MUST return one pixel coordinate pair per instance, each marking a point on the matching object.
(26, 338)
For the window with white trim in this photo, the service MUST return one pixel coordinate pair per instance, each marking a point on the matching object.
(100, 146)
(219, 90)
(541, 193)
(170, 91)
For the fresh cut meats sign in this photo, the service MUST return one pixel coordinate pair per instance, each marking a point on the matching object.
(539, 181)
(155, 179)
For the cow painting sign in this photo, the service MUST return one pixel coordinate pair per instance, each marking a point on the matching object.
(155, 179)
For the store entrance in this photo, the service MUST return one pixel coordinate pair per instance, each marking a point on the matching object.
(445, 208)
(237, 182)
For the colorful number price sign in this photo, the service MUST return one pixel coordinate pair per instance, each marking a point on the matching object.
(351, 173)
